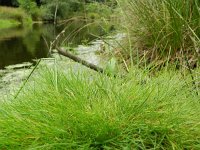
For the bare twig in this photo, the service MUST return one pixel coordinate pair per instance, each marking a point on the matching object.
(79, 60)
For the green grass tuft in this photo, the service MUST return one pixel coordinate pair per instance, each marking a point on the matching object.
(5, 23)
(87, 111)
(162, 30)
(13, 16)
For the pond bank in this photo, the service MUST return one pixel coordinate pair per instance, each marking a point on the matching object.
(90, 111)
(12, 77)
(7, 23)
(13, 17)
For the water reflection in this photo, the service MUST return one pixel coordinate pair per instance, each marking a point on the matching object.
(20, 44)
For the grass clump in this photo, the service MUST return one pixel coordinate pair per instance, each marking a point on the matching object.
(162, 30)
(5, 23)
(14, 16)
(87, 111)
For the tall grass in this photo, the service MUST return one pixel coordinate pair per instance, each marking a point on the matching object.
(14, 14)
(87, 111)
(163, 30)
(11, 13)
(5, 23)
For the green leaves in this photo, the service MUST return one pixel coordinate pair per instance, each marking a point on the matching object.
(27, 5)
(111, 67)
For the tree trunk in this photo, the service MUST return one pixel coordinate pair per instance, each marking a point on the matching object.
(55, 14)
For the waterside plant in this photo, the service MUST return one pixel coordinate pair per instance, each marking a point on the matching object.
(83, 110)
(12, 17)
(161, 31)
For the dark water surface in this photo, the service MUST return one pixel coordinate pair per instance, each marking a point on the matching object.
(20, 44)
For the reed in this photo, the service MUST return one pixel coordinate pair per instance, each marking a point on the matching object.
(162, 30)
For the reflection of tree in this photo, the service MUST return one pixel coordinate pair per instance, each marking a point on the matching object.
(79, 31)
(12, 32)
(32, 39)
(48, 31)
(23, 44)
(12, 52)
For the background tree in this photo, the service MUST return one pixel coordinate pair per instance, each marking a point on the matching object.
(9, 2)
(60, 8)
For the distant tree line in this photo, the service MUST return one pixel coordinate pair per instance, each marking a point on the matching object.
(8, 2)
(59, 9)
(15, 3)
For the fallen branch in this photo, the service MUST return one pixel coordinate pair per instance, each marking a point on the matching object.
(79, 60)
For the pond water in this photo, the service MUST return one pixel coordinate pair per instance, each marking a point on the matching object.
(18, 45)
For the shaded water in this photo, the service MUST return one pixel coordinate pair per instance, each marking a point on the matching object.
(20, 44)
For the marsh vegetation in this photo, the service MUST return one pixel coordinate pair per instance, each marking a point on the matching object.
(151, 102)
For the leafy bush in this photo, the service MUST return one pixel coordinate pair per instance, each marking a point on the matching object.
(27, 5)
(65, 8)
(31, 8)
(97, 9)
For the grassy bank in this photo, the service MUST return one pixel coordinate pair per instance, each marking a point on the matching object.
(141, 110)
(161, 31)
(11, 17)
(6, 23)
(92, 111)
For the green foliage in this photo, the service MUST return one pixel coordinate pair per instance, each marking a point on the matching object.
(96, 10)
(27, 5)
(66, 8)
(31, 8)
(5, 23)
(90, 111)
(14, 16)
(163, 30)
(12, 13)
(111, 67)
